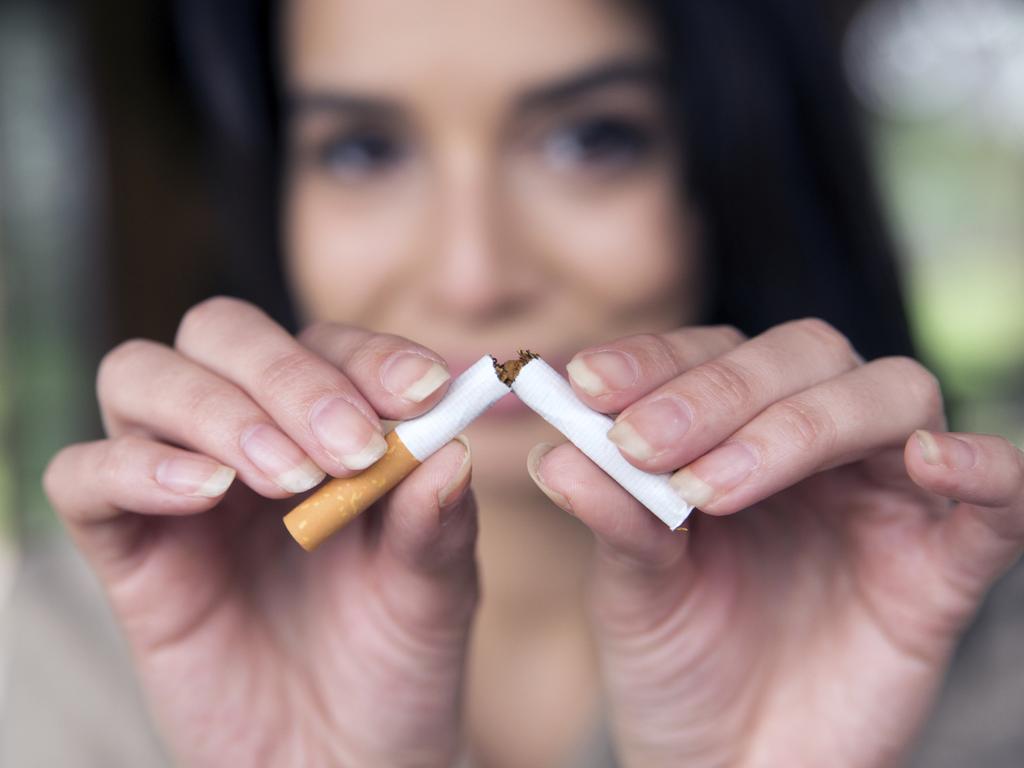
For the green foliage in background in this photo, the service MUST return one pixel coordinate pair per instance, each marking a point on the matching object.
(957, 200)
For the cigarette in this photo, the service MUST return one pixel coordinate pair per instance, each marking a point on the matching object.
(541, 388)
(410, 444)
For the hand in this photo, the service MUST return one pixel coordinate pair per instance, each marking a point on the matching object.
(809, 614)
(250, 650)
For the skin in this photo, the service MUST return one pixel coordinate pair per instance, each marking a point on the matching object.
(827, 585)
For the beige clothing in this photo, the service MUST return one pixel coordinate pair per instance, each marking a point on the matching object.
(71, 700)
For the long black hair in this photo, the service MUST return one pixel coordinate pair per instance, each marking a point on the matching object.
(774, 156)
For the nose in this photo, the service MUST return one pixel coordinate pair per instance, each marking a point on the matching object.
(476, 274)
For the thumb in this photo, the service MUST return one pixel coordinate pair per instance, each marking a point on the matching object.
(984, 533)
(428, 527)
(634, 548)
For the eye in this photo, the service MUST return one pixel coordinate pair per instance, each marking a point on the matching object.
(600, 142)
(359, 153)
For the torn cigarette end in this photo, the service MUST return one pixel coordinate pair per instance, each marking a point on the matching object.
(509, 370)
(341, 500)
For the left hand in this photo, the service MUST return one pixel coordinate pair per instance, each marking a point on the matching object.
(809, 615)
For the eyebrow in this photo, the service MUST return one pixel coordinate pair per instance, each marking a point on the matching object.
(604, 75)
(311, 102)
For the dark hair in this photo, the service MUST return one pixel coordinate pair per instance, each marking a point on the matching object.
(774, 156)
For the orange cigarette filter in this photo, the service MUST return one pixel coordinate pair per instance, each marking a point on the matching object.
(411, 443)
(343, 499)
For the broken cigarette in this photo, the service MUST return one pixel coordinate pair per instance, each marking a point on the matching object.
(410, 444)
(541, 388)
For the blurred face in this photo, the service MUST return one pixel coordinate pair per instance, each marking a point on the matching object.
(480, 176)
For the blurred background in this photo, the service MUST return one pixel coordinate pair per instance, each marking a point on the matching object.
(107, 200)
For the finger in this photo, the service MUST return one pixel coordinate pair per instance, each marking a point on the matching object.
(696, 410)
(984, 533)
(142, 513)
(146, 388)
(627, 532)
(93, 485)
(611, 376)
(838, 422)
(399, 378)
(428, 537)
(331, 414)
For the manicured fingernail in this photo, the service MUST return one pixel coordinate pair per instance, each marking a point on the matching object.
(346, 434)
(194, 477)
(714, 474)
(455, 487)
(945, 450)
(280, 459)
(412, 377)
(533, 461)
(600, 373)
(651, 428)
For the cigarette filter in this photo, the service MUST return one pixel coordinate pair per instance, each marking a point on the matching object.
(410, 443)
(546, 392)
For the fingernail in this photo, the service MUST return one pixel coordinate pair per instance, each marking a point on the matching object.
(651, 428)
(599, 373)
(280, 459)
(453, 491)
(412, 377)
(714, 474)
(929, 448)
(533, 460)
(194, 477)
(346, 434)
(952, 452)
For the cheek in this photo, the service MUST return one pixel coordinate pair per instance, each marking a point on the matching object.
(346, 257)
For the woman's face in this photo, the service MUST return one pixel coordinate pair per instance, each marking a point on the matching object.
(480, 176)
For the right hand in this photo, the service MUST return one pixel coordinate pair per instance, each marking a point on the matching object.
(250, 650)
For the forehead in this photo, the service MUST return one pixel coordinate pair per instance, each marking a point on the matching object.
(391, 45)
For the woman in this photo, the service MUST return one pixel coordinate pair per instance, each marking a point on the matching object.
(467, 177)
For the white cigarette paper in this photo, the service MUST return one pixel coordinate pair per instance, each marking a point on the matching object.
(546, 392)
(472, 393)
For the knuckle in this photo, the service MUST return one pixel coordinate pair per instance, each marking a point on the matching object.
(650, 343)
(197, 319)
(207, 408)
(55, 474)
(113, 366)
(374, 348)
(730, 334)
(805, 425)
(115, 459)
(376, 344)
(315, 334)
(662, 354)
(828, 337)
(283, 373)
(333, 341)
(725, 383)
(923, 385)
